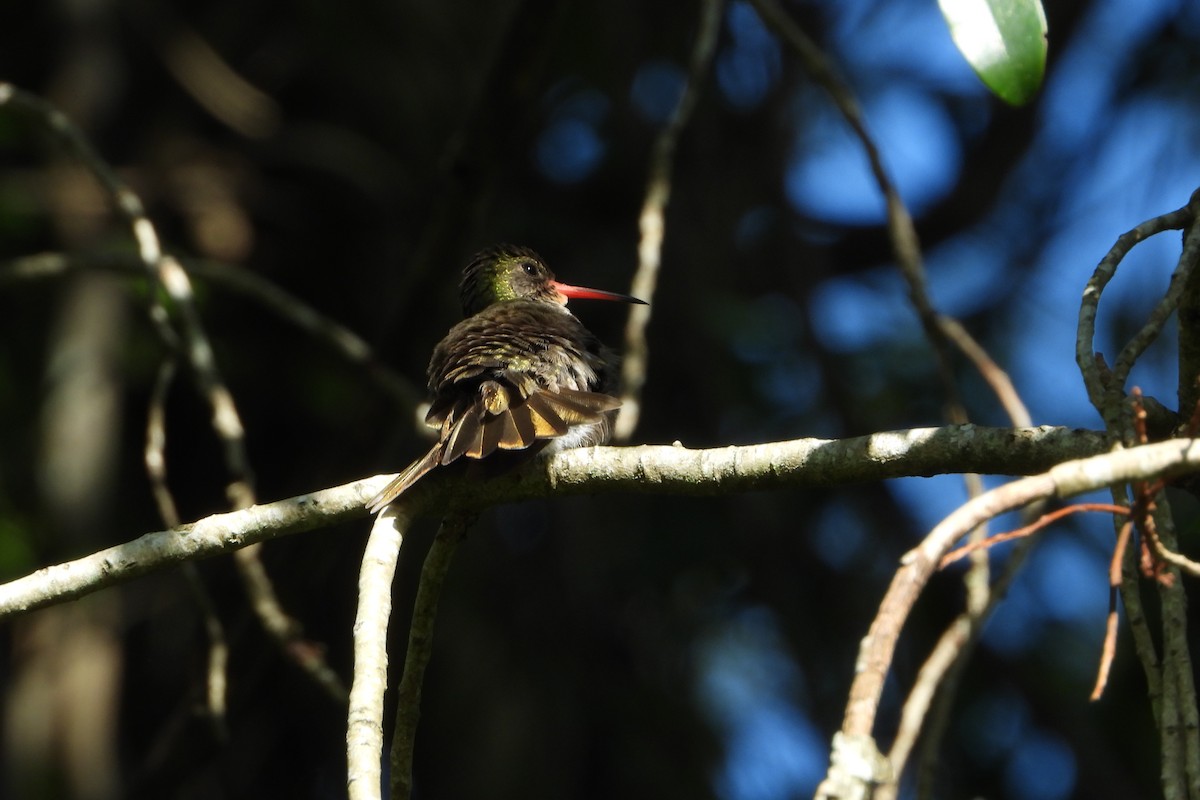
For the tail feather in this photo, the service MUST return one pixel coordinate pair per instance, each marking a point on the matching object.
(477, 426)
(510, 435)
(546, 421)
(411, 474)
(466, 434)
(589, 404)
(526, 431)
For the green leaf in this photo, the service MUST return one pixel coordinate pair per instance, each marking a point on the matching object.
(1004, 41)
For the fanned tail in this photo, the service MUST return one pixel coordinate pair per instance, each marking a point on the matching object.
(477, 426)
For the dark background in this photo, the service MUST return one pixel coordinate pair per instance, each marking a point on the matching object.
(357, 155)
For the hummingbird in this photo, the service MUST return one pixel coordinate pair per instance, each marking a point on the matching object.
(519, 373)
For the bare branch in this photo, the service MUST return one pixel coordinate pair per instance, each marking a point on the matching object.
(209, 78)
(1134, 348)
(420, 647)
(364, 728)
(1067, 479)
(216, 678)
(647, 469)
(996, 378)
(1030, 529)
(1170, 689)
(287, 632)
(652, 222)
(1085, 336)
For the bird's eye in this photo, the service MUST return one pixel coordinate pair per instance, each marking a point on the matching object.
(530, 268)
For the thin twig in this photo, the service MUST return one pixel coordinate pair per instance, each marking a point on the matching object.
(209, 78)
(282, 627)
(1034, 527)
(126, 202)
(1162, 553)
(342, 340)
(996, 378)
(216, 676)
(940, 329)
(156, 444)
(652, 222)
(1109, 649)
(1158, 553)
(420, 646)
(929, 702)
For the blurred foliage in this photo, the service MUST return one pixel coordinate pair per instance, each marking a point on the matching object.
(356, 154)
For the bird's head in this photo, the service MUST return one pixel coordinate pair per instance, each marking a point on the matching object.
(508, 272)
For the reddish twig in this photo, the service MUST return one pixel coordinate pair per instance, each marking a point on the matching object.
(1109, 649)
(1034, 527)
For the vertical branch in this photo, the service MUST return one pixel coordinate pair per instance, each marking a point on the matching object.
(1131, 598)
(1172, 693)
(420, 646)
(364, 722)
(1179, 724)
(216, 677)
(652, 222)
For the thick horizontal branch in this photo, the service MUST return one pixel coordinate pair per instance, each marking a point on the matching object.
(816, 463)
(658, 469)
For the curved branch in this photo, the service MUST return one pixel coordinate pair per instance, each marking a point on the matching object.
(1085, 336)
(848, 771)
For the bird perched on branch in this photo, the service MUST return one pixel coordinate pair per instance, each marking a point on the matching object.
(520, 373)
